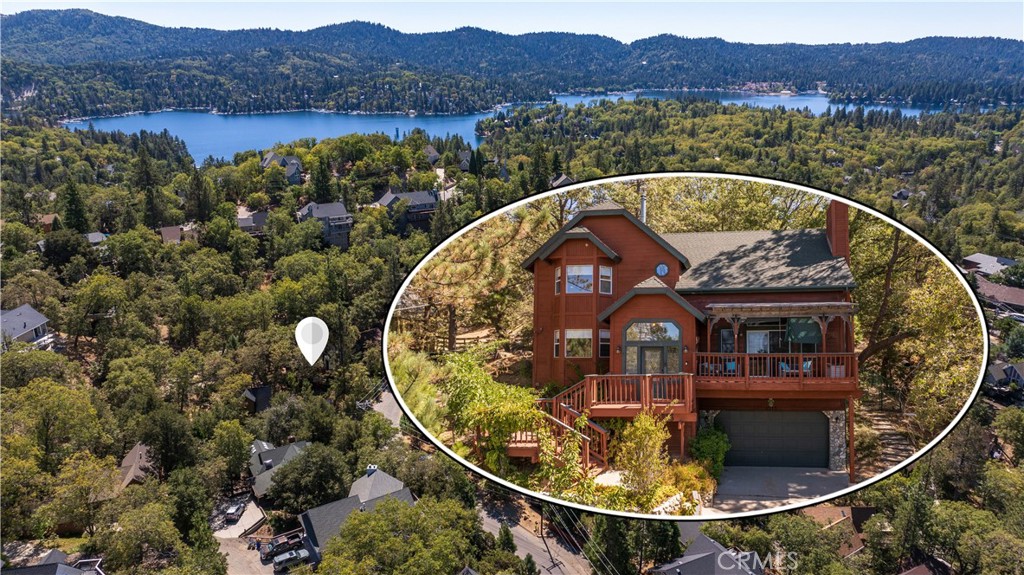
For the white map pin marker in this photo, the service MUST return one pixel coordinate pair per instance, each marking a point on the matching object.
(311, 336)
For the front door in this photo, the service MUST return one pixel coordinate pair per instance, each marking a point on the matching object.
(758, 342)
(652, 360)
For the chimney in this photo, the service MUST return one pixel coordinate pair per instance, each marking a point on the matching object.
(370, 469)
(643, 205)
(837, 229)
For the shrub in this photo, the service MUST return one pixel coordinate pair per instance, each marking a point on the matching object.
(709, 448)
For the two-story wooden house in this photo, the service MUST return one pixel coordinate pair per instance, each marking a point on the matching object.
(751, 330)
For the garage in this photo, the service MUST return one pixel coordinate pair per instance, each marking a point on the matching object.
(776, 438)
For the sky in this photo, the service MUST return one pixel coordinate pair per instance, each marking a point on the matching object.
(760, 22)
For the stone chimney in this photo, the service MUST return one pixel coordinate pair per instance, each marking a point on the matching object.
(643, 205)
(837, 229)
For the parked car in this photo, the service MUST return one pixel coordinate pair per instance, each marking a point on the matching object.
(234, 513)
(281, 544)
(290, 559)
(1018, 317)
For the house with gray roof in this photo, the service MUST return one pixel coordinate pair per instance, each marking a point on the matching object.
(419, 206)
(24, 323)
(746, 330)
(431, 153)
(336, 222)
(291, 164)
(560, 180)
(324, 522)
(986, 265)
(705, 556)
(265, 460)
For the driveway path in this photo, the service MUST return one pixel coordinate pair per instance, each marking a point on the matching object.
(754, 488)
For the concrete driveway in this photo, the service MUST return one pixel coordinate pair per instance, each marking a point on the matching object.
(754, 488)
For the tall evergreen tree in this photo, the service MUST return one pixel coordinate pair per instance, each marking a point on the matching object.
(199, 199)
(144, 178)
(74, 209)
(320, 182)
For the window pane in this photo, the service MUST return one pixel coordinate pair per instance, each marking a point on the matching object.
(558, 342)
(672, 360)
(604, 348)
(632, 360)
(579, 343)
(606, 280)
(652, 331)
(579, 279)
(558, 280)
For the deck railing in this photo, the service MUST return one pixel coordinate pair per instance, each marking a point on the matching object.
(776, 366)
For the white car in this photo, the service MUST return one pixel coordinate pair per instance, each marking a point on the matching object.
(290, 559)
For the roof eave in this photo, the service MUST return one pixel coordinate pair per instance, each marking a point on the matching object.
(769, 289)
(652, 291)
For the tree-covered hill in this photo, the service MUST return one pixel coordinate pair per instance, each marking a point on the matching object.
(59, 63)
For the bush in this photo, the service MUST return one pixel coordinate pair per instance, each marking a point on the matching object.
(690, 477)
(866, 441)
(709, 448)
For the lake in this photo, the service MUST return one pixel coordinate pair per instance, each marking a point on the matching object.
(222, 135)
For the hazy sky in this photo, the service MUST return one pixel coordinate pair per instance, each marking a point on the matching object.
(758, 22)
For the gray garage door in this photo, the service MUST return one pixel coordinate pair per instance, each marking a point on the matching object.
(776, 438)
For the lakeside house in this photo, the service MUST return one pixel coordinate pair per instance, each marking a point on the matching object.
(560, 180)
(174, 235)
(750, 331)
(705, 556)
(25, 324)
(249, 222)
(431, 153)
(335, 220)
(264, 461)
(324, 522)
(291, 164)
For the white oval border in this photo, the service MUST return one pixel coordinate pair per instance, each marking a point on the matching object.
(660, 175)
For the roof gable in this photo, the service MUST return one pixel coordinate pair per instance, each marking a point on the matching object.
(375, 483)
(323, 522)
(651, 286)
(564, 235)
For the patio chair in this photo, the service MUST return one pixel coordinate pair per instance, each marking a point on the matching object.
(787, 371)
(730, 368)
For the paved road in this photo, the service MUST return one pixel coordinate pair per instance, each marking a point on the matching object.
(549, 553)
(387, 405)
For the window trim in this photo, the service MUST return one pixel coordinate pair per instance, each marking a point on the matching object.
(601, 280)
(558, 342)
(558, 280)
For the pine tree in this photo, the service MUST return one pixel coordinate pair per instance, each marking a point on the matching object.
(74, 209)
(144, 178)
(320, 182)
(505, 540)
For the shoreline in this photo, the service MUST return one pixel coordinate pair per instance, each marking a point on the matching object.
(554, 95)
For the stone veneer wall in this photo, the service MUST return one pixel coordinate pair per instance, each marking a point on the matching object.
(836, 439)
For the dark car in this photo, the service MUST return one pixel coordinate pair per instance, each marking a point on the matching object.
(281, 544)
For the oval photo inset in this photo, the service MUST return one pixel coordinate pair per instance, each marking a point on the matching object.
(685, 345)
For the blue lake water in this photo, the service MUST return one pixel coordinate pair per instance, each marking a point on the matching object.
(221, 136)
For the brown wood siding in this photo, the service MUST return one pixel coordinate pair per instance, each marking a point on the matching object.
(651, 306)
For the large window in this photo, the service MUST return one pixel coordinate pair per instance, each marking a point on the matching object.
(605, 286)
(652, 331)
(558, 343)
(579, 279)
(579, 343)
(558, 280)
(727, 343)
(604, 343)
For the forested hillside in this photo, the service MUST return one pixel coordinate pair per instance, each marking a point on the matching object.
(76, 63)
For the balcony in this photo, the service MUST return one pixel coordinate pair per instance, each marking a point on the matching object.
(826, 372)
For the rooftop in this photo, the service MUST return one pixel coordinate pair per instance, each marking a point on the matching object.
(20, 320)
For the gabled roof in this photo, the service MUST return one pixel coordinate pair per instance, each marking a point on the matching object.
(20, 320)
(999, 292)
(760, 260)
(989, 265)
(604, 208)
(45, 569)
(323, 522)
(651, 286)
(375, 483)
(263, 478)
(135, 466)
(560, 180)
(420, 198)
(705, 556)
(259, 396)
(329, 210)
(95, 238)
(577, 233)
